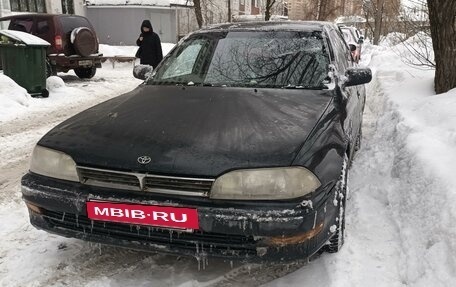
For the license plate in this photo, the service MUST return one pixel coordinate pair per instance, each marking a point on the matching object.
(85, 63)
(153, 215)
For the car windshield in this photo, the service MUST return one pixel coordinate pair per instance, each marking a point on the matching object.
(276, 59)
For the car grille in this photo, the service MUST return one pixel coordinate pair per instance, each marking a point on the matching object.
(145, 182)
(189, 242)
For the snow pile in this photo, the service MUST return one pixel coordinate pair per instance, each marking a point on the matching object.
(111, 51)
(416, 50)
(422, 136)
(419, 39)
(392, 39)
(12, 97)
(55, 84)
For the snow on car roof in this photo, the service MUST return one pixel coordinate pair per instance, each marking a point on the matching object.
(25, 38)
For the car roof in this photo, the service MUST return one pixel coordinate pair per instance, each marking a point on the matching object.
(305, 26)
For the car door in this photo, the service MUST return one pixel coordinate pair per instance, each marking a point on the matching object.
(354, 102)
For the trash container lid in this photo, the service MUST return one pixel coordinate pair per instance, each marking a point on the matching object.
(25, 38)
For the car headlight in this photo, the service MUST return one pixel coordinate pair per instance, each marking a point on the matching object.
(265, 184)
(53, 163)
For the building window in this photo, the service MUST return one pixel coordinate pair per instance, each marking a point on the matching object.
(28, 6)
(67, 7)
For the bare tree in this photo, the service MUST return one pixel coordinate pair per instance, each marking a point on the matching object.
(415, 35)
(383, 12)
(268, 8)
(329, 10)
(322, 10)
(229, 11)
(442, 17)
(198, 13)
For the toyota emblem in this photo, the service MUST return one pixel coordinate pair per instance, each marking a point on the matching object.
(144, 159)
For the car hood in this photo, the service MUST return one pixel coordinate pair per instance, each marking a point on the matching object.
(197, 131)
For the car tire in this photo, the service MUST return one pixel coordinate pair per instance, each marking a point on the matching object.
(85, 73)
(337, 240)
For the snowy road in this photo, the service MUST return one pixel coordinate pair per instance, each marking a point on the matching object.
(390, 242)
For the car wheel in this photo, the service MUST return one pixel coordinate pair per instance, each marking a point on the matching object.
(337, 240)
(85, 73)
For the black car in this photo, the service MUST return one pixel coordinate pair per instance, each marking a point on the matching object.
(237, 146)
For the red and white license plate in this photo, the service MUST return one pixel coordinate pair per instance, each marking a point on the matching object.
(154, 215)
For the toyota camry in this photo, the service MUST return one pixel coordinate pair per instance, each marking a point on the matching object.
(238, 145)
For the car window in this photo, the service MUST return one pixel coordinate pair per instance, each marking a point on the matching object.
(341, 51)
(42, 28)
(278, 59)
(69, 23)
(23, 25)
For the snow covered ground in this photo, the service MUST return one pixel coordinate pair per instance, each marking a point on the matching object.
(400, 216)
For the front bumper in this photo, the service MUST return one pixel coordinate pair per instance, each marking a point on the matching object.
(243, 231)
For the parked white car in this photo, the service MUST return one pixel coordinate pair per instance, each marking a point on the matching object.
(354, 39)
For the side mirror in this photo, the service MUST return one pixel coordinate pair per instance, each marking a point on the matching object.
(361, 39)
(352, 47)
(142, 72)
(357, 76)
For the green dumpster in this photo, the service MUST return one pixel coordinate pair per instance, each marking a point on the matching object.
(23, 59)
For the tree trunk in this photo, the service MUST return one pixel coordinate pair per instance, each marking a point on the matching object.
(442, 17)
(378, 20)
(267, 11)
(198, 14)
(229, 10)
(322, 10)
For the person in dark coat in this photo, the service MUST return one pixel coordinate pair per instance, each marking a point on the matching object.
(149, 51)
